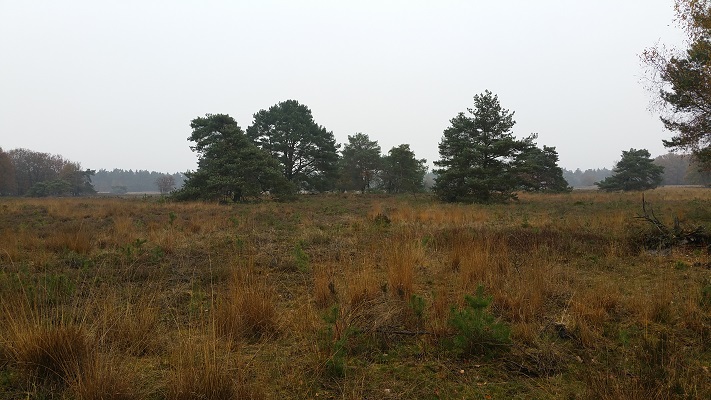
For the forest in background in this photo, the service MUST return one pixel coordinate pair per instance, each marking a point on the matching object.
(123, 181)
(679, 169)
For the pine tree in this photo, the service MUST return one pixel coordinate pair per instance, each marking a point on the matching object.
(360, 163)
(306, 151)
(478, 154)
(230, 166)
(635, 171)
(402, 171)
(538, 170)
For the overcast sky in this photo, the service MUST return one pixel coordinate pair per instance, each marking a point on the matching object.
(114, 84)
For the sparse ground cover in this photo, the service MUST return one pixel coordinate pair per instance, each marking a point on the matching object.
(346, 296)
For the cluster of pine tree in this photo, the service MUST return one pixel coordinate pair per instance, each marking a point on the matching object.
(285, 151)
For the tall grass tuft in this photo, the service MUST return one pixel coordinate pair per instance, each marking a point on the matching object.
(207, 371)
(363, 287)
(106, 379)
(46, 352)
(75, 238)
(401, 260)
(248, 309)
(324, 286)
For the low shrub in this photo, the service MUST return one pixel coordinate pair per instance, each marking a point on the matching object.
(477, 331)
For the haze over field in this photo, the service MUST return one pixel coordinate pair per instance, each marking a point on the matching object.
(116, 85)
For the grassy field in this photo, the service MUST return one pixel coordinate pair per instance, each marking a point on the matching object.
(351, 297)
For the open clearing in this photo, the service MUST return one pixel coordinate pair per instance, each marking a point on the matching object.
(352, 297)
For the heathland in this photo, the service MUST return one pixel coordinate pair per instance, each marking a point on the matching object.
(357, 296)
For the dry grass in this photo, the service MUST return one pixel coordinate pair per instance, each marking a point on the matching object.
(402, 258)
(363, 286)
(106, 378)
(43, 350)
(325, 292)
(139, 298)
(207, 371)
(50, 353)
(130, 325)
(248, 309)
(73, 237)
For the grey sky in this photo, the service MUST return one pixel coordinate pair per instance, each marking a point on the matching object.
(114, 84)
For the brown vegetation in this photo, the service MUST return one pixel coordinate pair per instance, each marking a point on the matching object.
(341, 296)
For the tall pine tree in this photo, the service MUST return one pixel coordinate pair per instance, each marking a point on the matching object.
(478, 154)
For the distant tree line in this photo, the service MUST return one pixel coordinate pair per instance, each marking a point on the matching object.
(679, 169)
(585, 178)
(285, 151)
(119, 181)
(25, 172)
(683, 169)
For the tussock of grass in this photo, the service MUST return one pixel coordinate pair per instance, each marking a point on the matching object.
(402, 259)
(363, 287)
(248, 308)
(74, 237)
(207, 371)
(107, 379)
(325, 292)
(58, 353)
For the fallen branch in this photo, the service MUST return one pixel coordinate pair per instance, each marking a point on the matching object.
(675, 236)
(388, 331)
